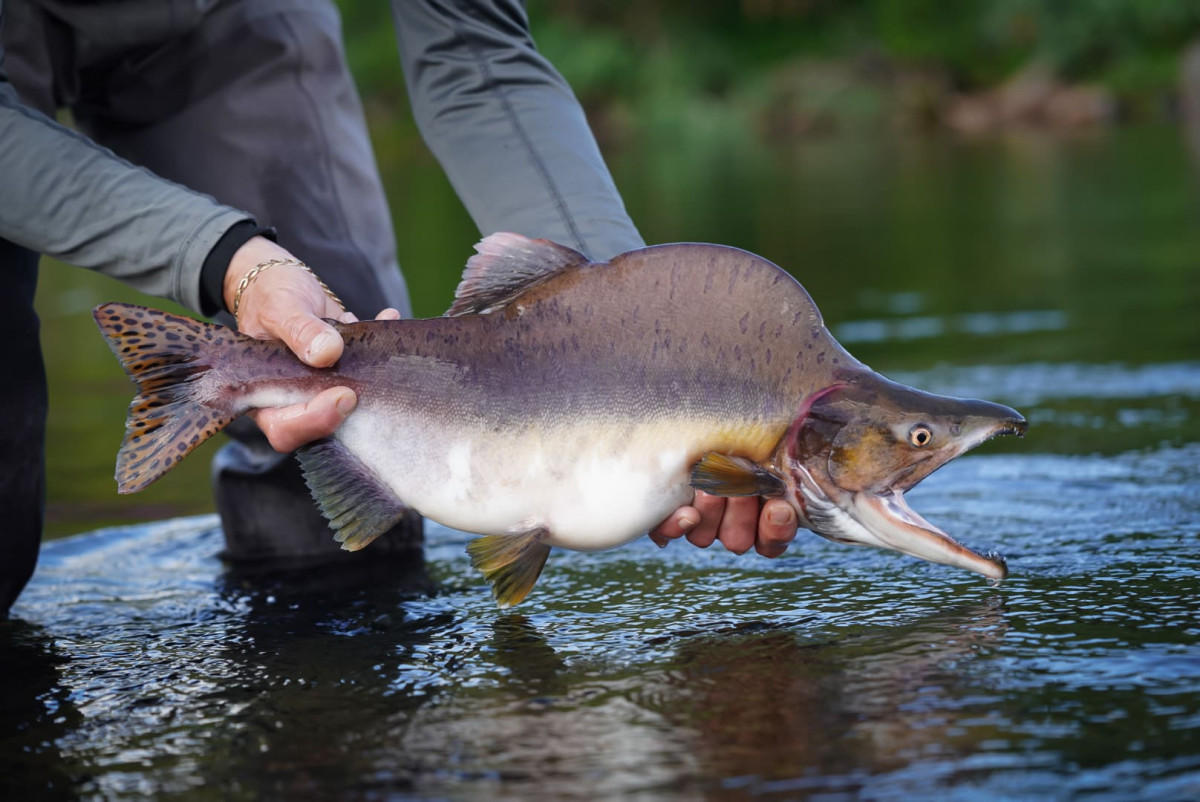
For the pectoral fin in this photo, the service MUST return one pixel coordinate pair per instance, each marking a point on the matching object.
(356, 503)
(723, 475)
(512, 563)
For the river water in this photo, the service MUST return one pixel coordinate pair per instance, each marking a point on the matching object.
(1061, 277)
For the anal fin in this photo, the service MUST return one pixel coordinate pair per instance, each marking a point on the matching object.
(512, 563)
(723, 475)
(352, 498)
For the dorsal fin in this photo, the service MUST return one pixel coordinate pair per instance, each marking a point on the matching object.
(505, 266)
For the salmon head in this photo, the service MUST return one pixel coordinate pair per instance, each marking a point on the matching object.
(861, 443)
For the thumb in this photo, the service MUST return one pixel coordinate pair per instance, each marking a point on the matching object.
(313, 340)
(284, 301)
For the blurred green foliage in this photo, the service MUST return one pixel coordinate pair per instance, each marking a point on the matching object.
(1129, 44)
(653, 66)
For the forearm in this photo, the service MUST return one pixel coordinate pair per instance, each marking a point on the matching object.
(65, 196)
(506, 128)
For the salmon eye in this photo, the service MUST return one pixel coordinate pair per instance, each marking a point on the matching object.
(920, 435)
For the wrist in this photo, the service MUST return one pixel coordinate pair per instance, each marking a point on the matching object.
(216, 264)
(254, 251)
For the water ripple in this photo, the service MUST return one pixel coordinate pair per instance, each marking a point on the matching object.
(665, 673)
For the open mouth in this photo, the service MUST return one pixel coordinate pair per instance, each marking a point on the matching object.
(854, 454)
(900, 528)
(886, 521)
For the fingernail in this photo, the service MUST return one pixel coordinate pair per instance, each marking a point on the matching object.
(662, 544)
(322, 344)
(346, 404)
(687, 522)
(780, 516)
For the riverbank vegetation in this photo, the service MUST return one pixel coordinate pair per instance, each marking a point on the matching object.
(782, 69)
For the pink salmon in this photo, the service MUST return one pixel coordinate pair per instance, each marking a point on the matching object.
(561, 402)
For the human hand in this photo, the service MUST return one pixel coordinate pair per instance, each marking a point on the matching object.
(286, 303)
(738, 523)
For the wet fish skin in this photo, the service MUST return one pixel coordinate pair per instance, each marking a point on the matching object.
(567, 403)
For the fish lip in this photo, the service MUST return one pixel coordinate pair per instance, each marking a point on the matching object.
(901, 528)
(1016, 425)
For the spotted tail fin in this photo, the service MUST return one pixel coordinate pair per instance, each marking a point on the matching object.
(165, 355)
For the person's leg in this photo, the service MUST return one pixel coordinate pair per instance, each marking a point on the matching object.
(22, 437)
(256, 107)
(29, 47)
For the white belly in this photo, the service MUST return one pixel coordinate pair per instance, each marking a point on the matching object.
(589, 488)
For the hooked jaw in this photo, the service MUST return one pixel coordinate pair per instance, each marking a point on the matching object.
(900, 528)
(886, 521)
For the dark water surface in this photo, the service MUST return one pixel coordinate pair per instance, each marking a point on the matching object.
(1062, 278)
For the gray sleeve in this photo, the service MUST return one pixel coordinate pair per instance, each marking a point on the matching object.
(65, 196)
(505, 126)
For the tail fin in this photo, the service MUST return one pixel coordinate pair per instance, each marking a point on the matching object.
(164, 355)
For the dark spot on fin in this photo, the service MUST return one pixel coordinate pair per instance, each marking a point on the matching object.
(506, 266)
(723, 475)
(167, 419)
(352, 498)
(512, 563)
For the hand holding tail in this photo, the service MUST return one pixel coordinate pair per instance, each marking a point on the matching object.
(288, 303)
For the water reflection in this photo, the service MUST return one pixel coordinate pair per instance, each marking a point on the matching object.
(35, 712)
(311, 670)
(754, 708)
(773, 711)
(535, 669)
(181, 675)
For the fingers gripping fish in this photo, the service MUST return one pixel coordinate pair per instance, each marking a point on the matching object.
(561, 402)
